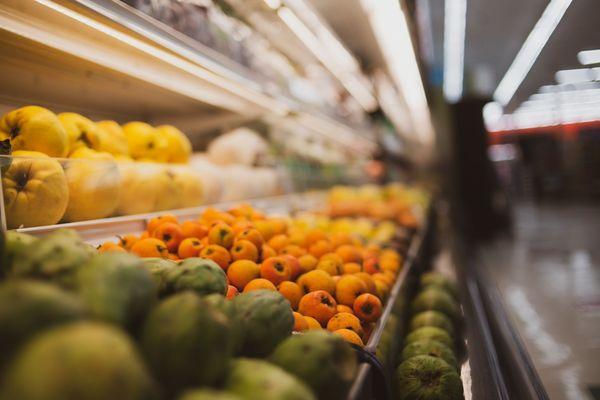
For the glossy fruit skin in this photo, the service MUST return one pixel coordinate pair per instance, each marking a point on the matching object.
(318, 304)
(317, 280)
(348, 288)
(294, 265)
(189, 247)
(192, 229)
(35, 128)
(330, 266)
(276, 270)
(244, 250)
(313, 324)
(170, 233)
(181, 330)
(150, 247)
(35, 190)
(267, 318)
(322, 360)
(300, 323)
(292, 292)
(345, 321)
(252, 235)
(259, 284)
(367, 307)
(221, 234)
(156, 221)
(231, 292)
(350, 336)
(218, 254)
(241, 272)
(308, 262)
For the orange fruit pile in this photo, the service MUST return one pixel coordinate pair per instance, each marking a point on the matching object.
(332, 281)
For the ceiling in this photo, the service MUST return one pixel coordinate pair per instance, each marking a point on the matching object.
(495, 31)
(349, 21)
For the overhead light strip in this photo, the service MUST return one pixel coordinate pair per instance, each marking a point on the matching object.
(531, 49)
(329, 50)
(455, 18)
(393, 37)
(589, 57)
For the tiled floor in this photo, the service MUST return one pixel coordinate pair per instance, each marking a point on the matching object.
(549, 278)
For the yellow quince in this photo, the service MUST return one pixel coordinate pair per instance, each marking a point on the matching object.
(81, 131)
(35, 190)
(179, 148)
(94, 184)
(36, 129)
(145, 142)
(112, 138)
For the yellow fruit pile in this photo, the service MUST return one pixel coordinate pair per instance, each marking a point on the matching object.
(393, 202)
(39, 190)
(35, 128)
(332, 280)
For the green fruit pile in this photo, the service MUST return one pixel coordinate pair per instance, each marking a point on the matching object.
(429, 366)
(78, 324)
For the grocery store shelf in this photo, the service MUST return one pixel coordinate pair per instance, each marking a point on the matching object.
(111, 62)
(98, 231)
(80, 46)
(358, 390)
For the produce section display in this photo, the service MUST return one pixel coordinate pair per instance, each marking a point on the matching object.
(67, 168)
(428, 364)
(194, 308)
(332, 278)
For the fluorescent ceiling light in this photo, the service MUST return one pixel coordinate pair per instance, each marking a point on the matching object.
(530, 50)
(393, 37)
(588, 57)
(455, 16)
(319, 39)
(568, 76)
(274, 4)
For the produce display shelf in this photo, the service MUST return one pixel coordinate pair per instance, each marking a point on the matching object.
(159, 33)
(416, 246)
(98, 231)
(83, 56)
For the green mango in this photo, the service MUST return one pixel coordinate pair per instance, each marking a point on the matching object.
(186, 342)
(267, 319)
(323, 361)
(115, 287)
(83, 361)
(30, 307)
(260, 380)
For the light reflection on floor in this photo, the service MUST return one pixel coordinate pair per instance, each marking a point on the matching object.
(549, 277)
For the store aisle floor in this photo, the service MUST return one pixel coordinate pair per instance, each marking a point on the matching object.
(548, 274)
